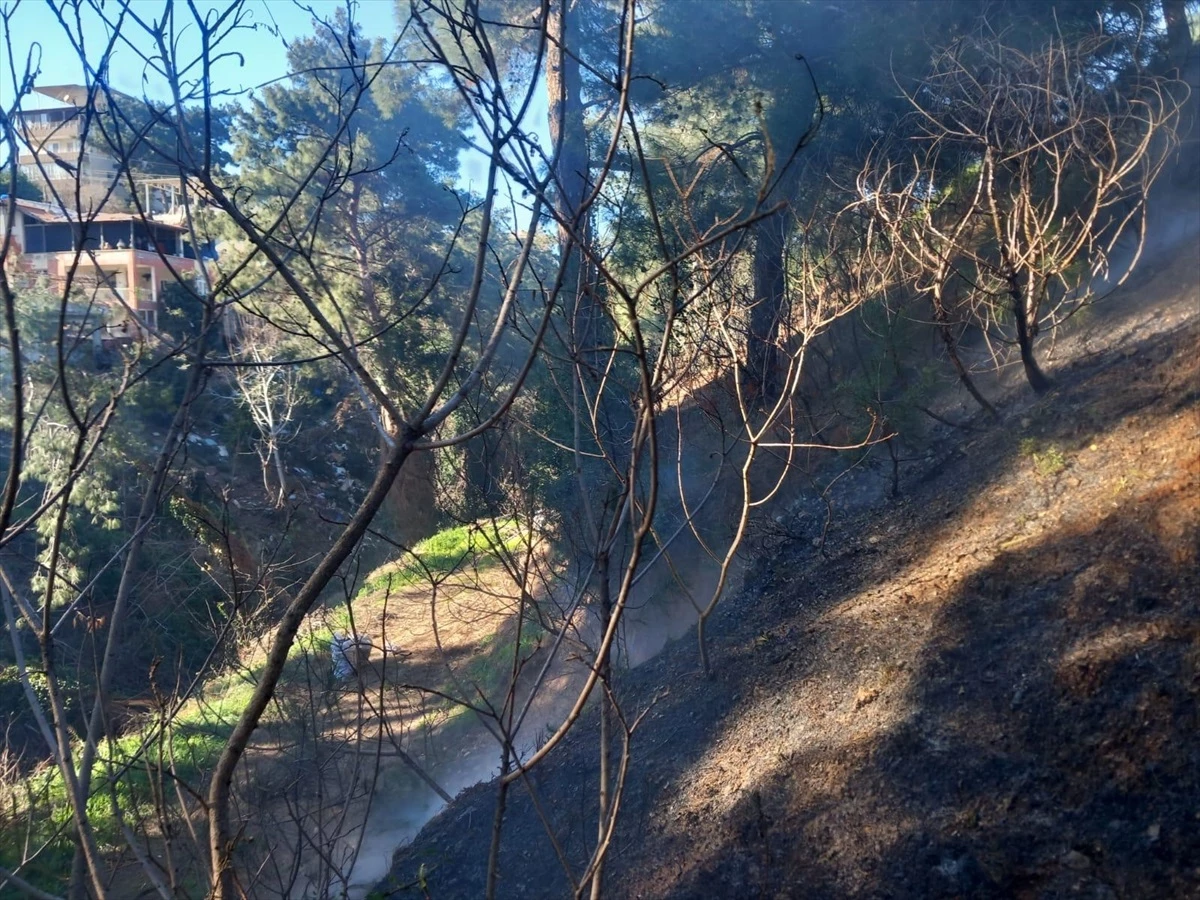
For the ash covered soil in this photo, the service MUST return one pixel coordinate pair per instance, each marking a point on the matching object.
(986, 688)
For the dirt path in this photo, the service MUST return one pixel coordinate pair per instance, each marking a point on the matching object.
(990, 688)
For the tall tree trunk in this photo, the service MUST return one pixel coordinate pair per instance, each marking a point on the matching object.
(484, 468)
(1023, 290)
(411, 509)
(604, 797)
(281, 474)
(1179, 34)
(493, 864)
(569, 138)
(223, 833)
(589, 333)
(766, 317)
(942, 318)
(362, 259)
(1037, 379)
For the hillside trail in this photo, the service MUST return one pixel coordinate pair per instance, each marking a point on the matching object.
(988, 687)
(402, 806)
(459, 751)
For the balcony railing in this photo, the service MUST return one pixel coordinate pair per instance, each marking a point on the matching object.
(68, 129)
(114, 259)
(138, 299)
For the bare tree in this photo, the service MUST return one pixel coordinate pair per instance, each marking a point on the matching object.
(271, 391)
(1029, 169)
(629, 348)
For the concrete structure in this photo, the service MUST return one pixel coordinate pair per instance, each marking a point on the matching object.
(64, 147)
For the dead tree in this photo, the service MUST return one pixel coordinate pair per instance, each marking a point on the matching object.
(1027, 171)
(270, 390)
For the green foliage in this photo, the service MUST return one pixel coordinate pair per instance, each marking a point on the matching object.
(1048, 460)
(24, 188)
(464, 546)
(155, 400)
(890, 377)
(145, 754)
(384, 211)
(182, 313)
(93, 516)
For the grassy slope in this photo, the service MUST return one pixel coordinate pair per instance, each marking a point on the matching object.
(199, 730)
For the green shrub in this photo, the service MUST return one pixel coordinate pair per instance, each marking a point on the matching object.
(1048, 461)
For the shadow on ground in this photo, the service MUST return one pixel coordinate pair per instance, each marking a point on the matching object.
(989, 689)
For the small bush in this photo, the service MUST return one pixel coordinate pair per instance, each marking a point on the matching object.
(1048, 461)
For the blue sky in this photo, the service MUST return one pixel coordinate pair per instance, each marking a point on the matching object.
(264, 56)
(260, 48)
(261, 51)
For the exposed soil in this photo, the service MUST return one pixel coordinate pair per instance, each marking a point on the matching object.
(465, 651)
(986, 688)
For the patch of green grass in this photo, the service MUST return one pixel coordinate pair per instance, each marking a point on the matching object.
(48, 871)
(129, 765)
(125, 769)
(491, 668)
(1049, 462)
(463, 546)
(489, 672)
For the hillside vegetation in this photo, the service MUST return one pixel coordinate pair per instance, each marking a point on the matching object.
(600, 448)
(989, 687)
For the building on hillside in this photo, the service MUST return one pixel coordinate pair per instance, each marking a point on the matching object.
(65, 150)
(117, 261)
(64, 147)
(117, 246)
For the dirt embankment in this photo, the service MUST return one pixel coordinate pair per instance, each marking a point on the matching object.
(991, 688)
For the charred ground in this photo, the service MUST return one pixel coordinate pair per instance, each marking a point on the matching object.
(988, 687)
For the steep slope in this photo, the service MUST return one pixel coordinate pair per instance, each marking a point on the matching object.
(988, 688)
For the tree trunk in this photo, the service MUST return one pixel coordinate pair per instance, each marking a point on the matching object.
(1037, 379)
(1024, 292)
(565, 118)
(281, 474)
(493, 864)
(411, 509)
(943, 323)
(766, 317)
(1179, 34)
(604, 797)
(487, 461)
(569, 138)
(222, 832)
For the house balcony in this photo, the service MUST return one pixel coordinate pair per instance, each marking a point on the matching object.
(60, 124)
(133, 260)
(128, 284)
